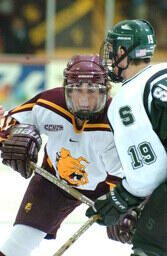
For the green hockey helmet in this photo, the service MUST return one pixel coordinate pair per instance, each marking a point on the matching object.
(137, 37)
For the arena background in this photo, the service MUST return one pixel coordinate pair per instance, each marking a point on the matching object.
(36, 40)
(38, 37)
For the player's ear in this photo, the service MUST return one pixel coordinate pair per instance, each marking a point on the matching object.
(121, 51)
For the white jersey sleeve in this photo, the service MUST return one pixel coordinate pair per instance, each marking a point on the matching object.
(112, 164)
(141, 152)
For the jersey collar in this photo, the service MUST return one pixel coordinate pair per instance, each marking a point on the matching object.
(143, 70)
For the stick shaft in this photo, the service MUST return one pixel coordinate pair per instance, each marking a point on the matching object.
(76, 194)
(53, 179)
(76, 235)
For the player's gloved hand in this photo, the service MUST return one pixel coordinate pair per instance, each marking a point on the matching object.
(21, 147)
(124, 230)
(113, 206)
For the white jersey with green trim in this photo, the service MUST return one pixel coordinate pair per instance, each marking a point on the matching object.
(141, 152)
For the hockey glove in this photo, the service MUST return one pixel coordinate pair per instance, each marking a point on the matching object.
(21, 147)
(113, 206)
(124, 230)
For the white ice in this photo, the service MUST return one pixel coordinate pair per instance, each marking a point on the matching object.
(93, 242)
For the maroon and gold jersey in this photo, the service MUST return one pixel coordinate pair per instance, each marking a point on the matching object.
(82, 157)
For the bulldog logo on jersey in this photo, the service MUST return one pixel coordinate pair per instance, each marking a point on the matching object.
(71, 169)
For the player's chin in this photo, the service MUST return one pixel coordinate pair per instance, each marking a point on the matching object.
(84, 110)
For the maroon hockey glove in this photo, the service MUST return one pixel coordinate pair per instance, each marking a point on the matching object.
(22, 146)
(124, 231)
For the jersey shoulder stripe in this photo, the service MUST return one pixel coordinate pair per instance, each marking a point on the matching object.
(24, 107)
(55, 108)
(54, 100)
(55, 95)
(70, 117)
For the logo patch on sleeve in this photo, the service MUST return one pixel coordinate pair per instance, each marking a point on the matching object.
(160, 92)
(28, 207)
(53, 127)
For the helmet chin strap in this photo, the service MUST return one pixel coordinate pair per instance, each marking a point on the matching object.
(118, 78)
(115, 78)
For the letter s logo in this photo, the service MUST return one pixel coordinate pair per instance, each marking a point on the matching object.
(126, 115)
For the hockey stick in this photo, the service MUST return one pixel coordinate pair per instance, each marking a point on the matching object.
(76, 235)
(53, 179)
(76, 194)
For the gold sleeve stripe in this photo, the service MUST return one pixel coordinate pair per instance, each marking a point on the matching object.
(63, 111)
(23, 107)
(67, 113)
(49, 162)
(53, 105)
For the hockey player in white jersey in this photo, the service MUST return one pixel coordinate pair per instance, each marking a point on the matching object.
(80, 150)
(137, 116)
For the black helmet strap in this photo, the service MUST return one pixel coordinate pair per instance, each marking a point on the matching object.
(127, 51)
(118, 77)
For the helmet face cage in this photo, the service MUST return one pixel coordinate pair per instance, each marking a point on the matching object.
(85, 101)
(110, 60)
(105, 54)
(85, 87)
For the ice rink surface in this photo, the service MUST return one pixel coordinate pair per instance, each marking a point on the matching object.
(93, 242)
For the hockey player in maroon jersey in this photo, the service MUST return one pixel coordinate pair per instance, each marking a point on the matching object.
(80, 150)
